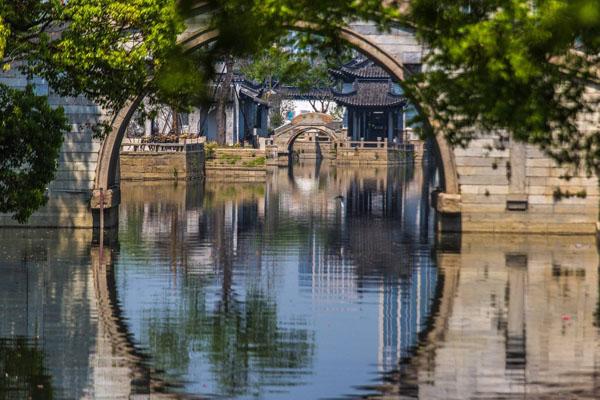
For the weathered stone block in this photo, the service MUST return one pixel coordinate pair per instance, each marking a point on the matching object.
(448, 203)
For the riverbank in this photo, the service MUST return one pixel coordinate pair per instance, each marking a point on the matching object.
(235, 164)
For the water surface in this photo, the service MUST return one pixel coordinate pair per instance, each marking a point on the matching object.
(323, 282)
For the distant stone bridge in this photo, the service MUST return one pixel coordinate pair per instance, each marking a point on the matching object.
(486, 187)
(310, 125)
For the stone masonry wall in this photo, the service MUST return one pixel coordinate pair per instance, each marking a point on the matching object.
(308, 149)
(69, 194)
(519, 189)
(371, 156)
(148, 166)
(235, 165)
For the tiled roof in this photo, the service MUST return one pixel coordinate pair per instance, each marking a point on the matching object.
(295, 93)
(370, 94)
(361, 68)
(371, 87)
(252, 95)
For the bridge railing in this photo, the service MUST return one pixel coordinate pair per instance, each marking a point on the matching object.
(378, 144)
(184, 145)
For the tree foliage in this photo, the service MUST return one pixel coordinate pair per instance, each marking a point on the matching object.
(30, 139)
(519, 67)
(516, 66)
(106, 50)
(289, 62)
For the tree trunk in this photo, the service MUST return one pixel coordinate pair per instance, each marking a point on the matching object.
(176, 128)
(222, 98)
(324, 106)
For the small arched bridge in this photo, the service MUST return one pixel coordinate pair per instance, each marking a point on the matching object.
(494, 185)
(311, 127)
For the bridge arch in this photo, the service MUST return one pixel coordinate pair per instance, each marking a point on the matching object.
(299, 132)
(286, 135)
(107, 184)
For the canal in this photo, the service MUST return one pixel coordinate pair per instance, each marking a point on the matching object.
(323, 282)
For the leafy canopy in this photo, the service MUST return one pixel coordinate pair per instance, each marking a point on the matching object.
(513, 66)
(519, 66)
(296, 60)
(29, 149)
(106, 50)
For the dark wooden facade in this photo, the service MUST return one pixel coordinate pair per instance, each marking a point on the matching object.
(374, 102)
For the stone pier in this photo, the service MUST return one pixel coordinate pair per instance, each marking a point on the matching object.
(514, 187)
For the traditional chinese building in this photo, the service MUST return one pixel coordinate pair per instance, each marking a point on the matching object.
(246, 113)
(375, 103)
(246, 116)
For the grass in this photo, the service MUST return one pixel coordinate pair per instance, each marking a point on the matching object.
(229, 159)
(212, 152)
(257, 162)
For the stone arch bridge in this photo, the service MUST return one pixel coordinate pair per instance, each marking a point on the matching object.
(312, 126)
(491, 186)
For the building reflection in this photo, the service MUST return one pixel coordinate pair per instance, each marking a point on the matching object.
(376, 216)
(222, 308)
(62, 333)
(517, 318)
(45, 311)
(353, 230)
(404, 312)
(197, 282)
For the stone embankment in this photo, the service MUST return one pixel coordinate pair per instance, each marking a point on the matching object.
(231, 164)
(162, 161)
(373, 153)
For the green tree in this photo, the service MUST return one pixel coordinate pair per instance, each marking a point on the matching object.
(305, 66)
(103, 49)
(30, 140)
(519, 66)
(22, 370)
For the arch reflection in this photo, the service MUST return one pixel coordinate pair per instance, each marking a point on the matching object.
(261, 285)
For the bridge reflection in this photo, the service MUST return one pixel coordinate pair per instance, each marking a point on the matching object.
(495, 317)
(517, 316)
(350, 235)
(62, 333)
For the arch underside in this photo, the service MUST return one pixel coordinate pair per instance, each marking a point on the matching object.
(286, 140)
(107, 172)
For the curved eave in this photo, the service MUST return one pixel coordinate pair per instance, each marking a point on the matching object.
(344, 102)
(355, 98)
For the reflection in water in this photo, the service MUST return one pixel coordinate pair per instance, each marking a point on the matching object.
(517, 320)
(265, 289)
(45, 292)
(324, 282)
(62, 334)
(22, 371)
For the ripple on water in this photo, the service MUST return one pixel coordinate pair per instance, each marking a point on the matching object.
(279, 292)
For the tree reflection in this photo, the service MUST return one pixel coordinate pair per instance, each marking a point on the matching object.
(22, 372)
(221, 322)
(243, 343)
(235, 329)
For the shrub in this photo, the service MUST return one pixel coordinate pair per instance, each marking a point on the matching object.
(209, 150)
